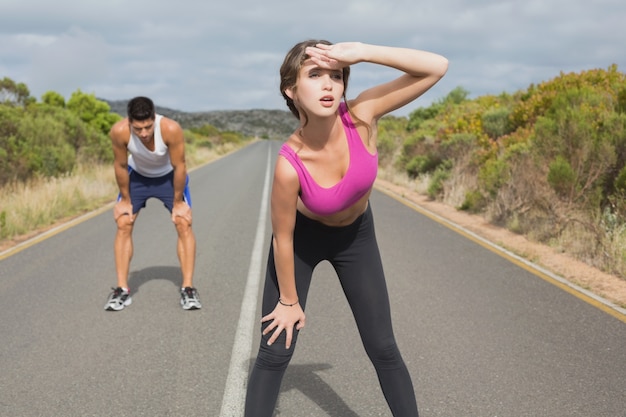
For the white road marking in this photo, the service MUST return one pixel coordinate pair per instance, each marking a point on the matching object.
(236, 381)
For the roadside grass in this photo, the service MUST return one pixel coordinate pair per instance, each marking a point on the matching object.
(27, 209)
(41, 203)
(604, 249)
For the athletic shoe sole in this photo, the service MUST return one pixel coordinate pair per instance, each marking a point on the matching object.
(191, 305)
(118, 306)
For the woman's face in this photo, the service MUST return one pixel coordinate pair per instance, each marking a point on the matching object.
(318, 91)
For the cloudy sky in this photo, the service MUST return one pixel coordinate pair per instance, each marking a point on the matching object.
(201, 55)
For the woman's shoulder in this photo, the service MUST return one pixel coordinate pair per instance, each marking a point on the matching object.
(293, 145)
(361, 110)
(285, 174)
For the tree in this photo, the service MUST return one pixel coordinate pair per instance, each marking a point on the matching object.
(14, 93)
(52, 98)
(422, 114)
(92, 111)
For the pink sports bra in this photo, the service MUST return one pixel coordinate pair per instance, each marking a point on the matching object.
(357, 181)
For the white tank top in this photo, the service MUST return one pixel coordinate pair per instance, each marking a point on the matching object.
(146, 162)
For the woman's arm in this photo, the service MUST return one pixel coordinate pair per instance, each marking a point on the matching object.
(283, 212)
(421, 70)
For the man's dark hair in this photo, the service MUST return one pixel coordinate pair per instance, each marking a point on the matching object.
(140, 108)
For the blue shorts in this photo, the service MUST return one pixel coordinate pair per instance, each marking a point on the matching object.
(162, 188)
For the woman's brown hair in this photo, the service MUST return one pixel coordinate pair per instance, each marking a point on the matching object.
(290, 69)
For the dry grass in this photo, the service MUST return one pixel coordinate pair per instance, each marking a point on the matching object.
(419, 185)
(525, 207)
(27, 209)
(41, 203)
(609, 286)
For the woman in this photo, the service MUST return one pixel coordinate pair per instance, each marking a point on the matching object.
(320, 210)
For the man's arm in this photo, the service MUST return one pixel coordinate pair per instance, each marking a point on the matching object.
(174, 138)
(120, 135)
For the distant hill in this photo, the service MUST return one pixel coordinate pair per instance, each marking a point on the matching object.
(272, 124)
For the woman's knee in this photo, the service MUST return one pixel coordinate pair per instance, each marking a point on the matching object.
(385, 355)
(274, 357)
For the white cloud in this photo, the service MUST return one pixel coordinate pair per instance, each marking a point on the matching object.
(71, 61)
(196, 55)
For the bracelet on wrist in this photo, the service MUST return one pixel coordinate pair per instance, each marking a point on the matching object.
(288, 305)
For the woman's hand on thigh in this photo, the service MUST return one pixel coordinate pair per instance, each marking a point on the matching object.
(284, 318)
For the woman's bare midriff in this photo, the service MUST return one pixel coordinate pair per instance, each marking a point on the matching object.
(342, 218)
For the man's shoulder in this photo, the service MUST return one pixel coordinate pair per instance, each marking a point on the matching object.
(120, 130)
(170, 129)
(167, 123)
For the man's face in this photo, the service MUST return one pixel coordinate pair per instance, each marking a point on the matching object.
(143, 129)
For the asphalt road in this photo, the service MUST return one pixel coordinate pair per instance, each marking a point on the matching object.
(481, 335)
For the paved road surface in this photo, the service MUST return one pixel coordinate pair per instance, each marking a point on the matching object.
(481, 335)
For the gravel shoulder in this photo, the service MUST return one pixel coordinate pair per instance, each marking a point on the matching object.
(609, 287)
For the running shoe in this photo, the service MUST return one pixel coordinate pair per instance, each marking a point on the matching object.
(118, 299)
(189, 299)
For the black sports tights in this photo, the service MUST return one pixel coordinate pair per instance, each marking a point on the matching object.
(353, 252)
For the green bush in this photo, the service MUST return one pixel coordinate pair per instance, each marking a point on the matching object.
(492, 175)
(45, 139)
(620, 181)
(231, 137)
(92, 111)
(496, 122)
(206, 130)
(474, 202)
(436, 186)
(561, 177)
(391, 134)
(422, 164)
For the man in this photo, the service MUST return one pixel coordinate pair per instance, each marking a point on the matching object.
(149, 161)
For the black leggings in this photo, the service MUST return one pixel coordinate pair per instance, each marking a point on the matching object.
(353, 252)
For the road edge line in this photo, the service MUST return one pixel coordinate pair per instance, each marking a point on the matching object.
(233, 399)
(548, 276)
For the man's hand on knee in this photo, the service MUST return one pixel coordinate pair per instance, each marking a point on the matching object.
(181, 212)
(123, 213)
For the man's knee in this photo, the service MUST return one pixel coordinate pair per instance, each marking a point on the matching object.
(125, 223)
(183, 227)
